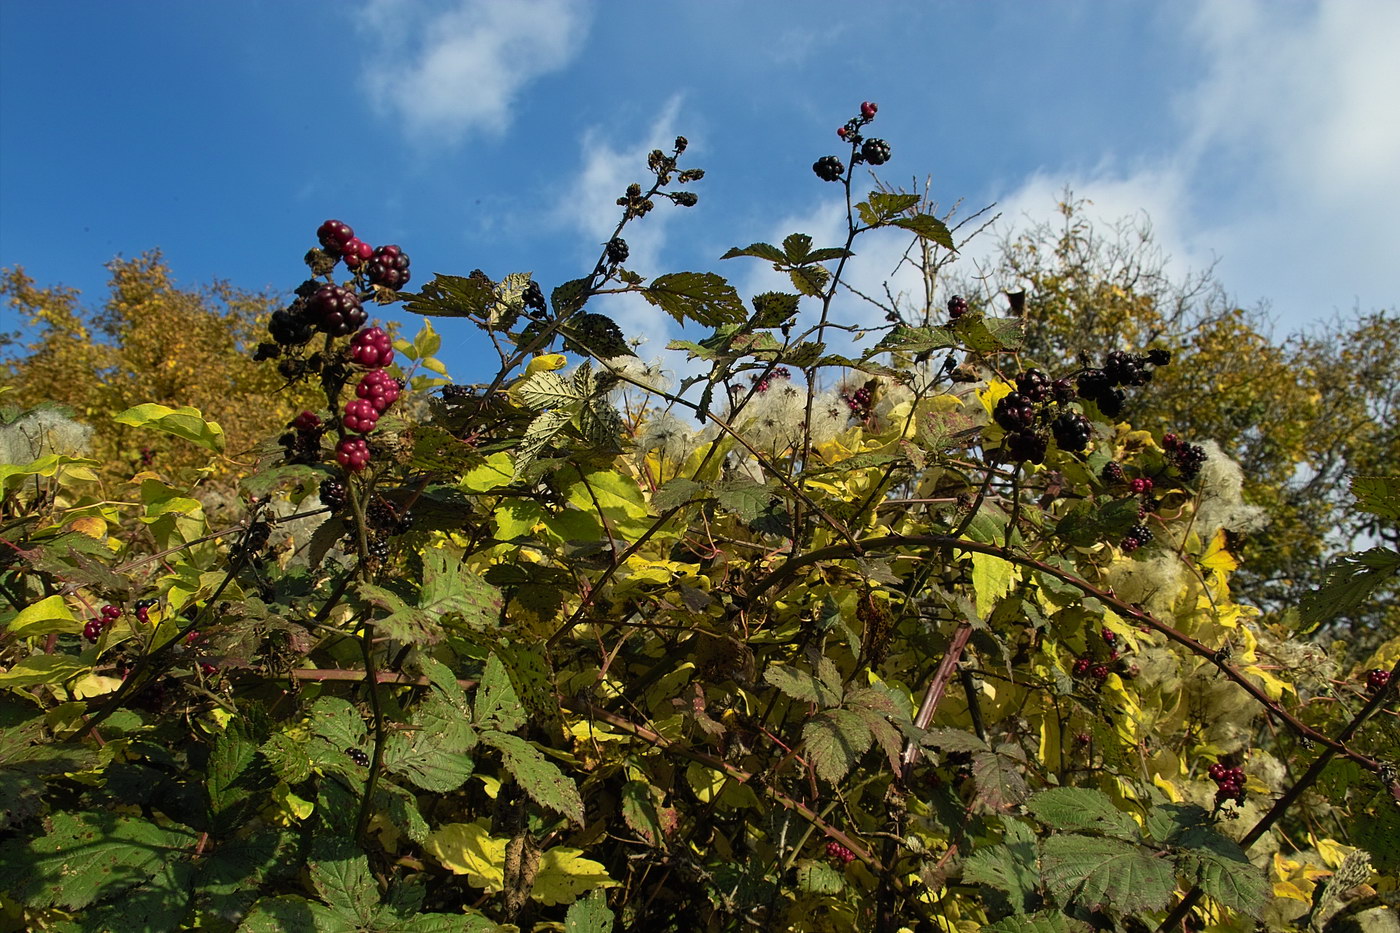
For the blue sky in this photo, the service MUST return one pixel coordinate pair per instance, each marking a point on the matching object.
(497, 133)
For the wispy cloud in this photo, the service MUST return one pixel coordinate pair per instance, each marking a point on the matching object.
(1285, 169)
(440, 71)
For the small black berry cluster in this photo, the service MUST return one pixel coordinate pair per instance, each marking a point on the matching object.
(617, 250)
(106, 616)
(1101, 386)
(1229, 783)
(1135, 537)
(873, 151)
(1187, 458)
(334, 494)
(533, 299)
(1037, 402)
(839, 853)
(1377, 680)
(302, 444)
(957, 307)
(358, 756)
(780, 372)
(143, 610)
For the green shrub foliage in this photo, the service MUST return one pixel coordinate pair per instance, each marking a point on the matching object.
(805, 627)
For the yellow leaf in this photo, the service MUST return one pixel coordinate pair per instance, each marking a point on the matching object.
(1290, 890)
(92, 526)
(468, 849)
(1333, 852)
(546, 363)
(991, 580)
(49, 614)
(1218, 556)
(290, 804)
(92, 685)
(564, 875)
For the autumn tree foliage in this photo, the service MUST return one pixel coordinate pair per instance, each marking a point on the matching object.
(905, 629)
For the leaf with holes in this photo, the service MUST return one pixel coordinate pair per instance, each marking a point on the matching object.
(1087, 871)
(703, 297)
(834, 741)
(537, 775)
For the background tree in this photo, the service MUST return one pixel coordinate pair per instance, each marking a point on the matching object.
(149, 341)
(1300, 414)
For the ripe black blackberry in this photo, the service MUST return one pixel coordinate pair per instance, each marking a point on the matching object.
(1125, 369)
(1026, 446)
(290, 328)
(829, 168)
(1188, 460)
(455, 393)
(875, 151)
(1093, 383)
(333, 235)
(1072, 431)
(378, 548)
(957, 307)
(1015, 412)
(617, 250)
(358, 756)
(533, 296)
(381, 514)
(1034, 385)
(337, 311)
(1136, 537)
(334, 495)
(1111, 402)
(1378, 679)
(1159, 357)
(388, 267)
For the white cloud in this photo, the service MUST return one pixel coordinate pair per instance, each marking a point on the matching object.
(1286, 166)
(459, 67)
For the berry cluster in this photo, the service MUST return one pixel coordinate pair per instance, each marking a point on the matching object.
(353, 453)
(781, 372)
(839, 853)
(385, 518)
(388, 267)
(860, 402)
(1229, 783)
(1378, 679)
(1135, 537)
(1187, 458)
(143, 610)
(372, 348)
(1088, 667)
(302, 443)
(533, 298)
(957, 307)
(1024, 413)
(358, 756)
(1101, 386)
(336, 311)
(95, 627)
(617, 250)
(873, 151)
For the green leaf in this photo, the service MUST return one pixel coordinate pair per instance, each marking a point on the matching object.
(999, 776)
(289, 912)
(1011, 867)
(596, 335)
(49, 669)
(497, 706)
(228, 877)
(1172, 822)
(570, 297)
(1378, 495)
(589, 915)
(773, 309)
(758, 250)
(796, 247)
(1229, 878)
(745, 498)
(639, 812)
(50, 614)
(537, 775)
(234, 750)
(1085, 526)
(1046, 921)
(453, 296)
(927, 227)
(538, 435)
(1350, 579)
(450, 596)
(427, 341)
(673, 493)
(185, 422)
(532, 679)
(814, 877)
(703, 297)
(89, 856)
(340, 873)
(803, 685)
(809, 280)
(431, 753)
(988, 334)
(1087, 871)
(550, 390)
(887, 204)
(1081, 809)
(402, 809)
(906, 339)
(834, 741)
(337, 721)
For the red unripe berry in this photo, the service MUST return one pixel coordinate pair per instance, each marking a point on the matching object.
(355, 252)
(1081, 666)
(1141, 485)
(868, 109)
(841, 131)
(306, 421)
(372, 347)
(352, 453)
(333, 235)
(360, 416)
(207, 668)
(1169, 441)
(1378, 679)
(1099, 672)
(1109, 635)
(839, 853)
